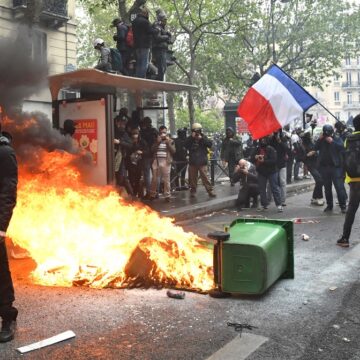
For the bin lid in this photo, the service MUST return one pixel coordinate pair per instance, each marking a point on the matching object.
(254, 233)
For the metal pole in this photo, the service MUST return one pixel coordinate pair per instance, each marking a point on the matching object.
(326, 109)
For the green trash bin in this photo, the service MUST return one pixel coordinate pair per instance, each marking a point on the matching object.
(253, 255)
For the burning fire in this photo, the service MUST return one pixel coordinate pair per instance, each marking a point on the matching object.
(82, 235)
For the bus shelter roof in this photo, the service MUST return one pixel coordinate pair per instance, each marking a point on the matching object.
(92, 80)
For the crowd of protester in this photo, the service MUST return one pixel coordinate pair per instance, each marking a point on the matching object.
(150, 162)
(142, 48)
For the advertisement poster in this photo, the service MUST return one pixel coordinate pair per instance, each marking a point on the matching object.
(241, 126)
(86, 136)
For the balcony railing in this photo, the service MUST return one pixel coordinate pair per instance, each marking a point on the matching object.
(351, 66)
(352, 105)
(351, 85)
(53, 12)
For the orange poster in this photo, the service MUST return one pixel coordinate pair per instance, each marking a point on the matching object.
(86, 136)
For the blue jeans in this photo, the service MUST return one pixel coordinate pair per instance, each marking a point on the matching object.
(142, 62)
(160, 60)
(275, 188)
(333, 175)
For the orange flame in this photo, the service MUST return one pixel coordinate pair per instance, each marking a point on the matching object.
(86, 235)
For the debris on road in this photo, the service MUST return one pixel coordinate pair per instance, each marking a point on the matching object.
(346, 340)
(47, 342)
(332, 288)
(337, 327)
(240, 327)
(180, 295)
(305, 237)
(305, 221)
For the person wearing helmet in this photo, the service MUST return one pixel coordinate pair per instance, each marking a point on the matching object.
(161, 41)
(198, 144)
(104, 62)
(331, 149)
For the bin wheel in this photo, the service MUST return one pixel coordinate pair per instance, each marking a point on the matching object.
(218, 294)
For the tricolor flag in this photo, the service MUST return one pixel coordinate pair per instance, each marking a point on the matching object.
(273, 102)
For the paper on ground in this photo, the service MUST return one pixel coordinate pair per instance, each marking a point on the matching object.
(50, 341)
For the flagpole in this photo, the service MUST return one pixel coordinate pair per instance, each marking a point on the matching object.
(326, 109)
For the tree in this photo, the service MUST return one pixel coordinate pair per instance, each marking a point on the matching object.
(306, 38)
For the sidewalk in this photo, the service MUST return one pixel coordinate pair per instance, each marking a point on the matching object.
(182, 207)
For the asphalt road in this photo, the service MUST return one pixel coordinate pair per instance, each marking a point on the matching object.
(296, 317)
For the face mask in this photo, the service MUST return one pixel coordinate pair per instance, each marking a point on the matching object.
(135, 136)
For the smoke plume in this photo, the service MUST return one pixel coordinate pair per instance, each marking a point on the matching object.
(22, 74)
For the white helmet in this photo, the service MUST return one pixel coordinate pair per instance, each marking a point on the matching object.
(196, 126)
(97, 42)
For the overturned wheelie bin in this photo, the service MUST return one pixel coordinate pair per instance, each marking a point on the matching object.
(252, 256)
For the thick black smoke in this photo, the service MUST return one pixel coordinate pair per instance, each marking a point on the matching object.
(20, 74)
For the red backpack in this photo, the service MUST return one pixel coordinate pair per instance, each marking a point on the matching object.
(129, 37)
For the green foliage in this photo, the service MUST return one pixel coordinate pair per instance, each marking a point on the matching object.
(212, 120)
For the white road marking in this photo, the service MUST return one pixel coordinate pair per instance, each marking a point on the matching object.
(239, 348)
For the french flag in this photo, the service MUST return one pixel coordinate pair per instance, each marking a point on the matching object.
(273, 102)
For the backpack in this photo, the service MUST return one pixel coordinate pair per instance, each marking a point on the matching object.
(116, 61)
(129, 40)
(352, 156)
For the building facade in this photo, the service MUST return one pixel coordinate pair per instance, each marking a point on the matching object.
(53, 40)
(342, 95)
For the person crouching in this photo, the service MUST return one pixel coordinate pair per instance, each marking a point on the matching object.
(245, 173)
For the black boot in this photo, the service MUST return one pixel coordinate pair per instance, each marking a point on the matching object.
(8, 327)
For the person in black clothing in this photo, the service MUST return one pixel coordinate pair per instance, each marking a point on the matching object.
(135, 161)
(245, 172)
(180, 159)
(265, 158)
(120, 38)
(198, 144)
(8, 190)
(149, 134)
(231, 151)
(161, 41)
(354, 183)
(310, 159)
(123, 144)
(331, 149)
(143, 32)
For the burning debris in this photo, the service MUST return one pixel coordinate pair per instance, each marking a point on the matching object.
(89, 236)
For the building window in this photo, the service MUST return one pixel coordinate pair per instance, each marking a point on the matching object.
(347, 60)
(39, 47)
(359, 97)
(348, 77)
(358, 60)
(337, 115)
(358, 77)
(336, 96)
(349, 98)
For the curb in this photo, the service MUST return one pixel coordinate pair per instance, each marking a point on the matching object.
(192, 211)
